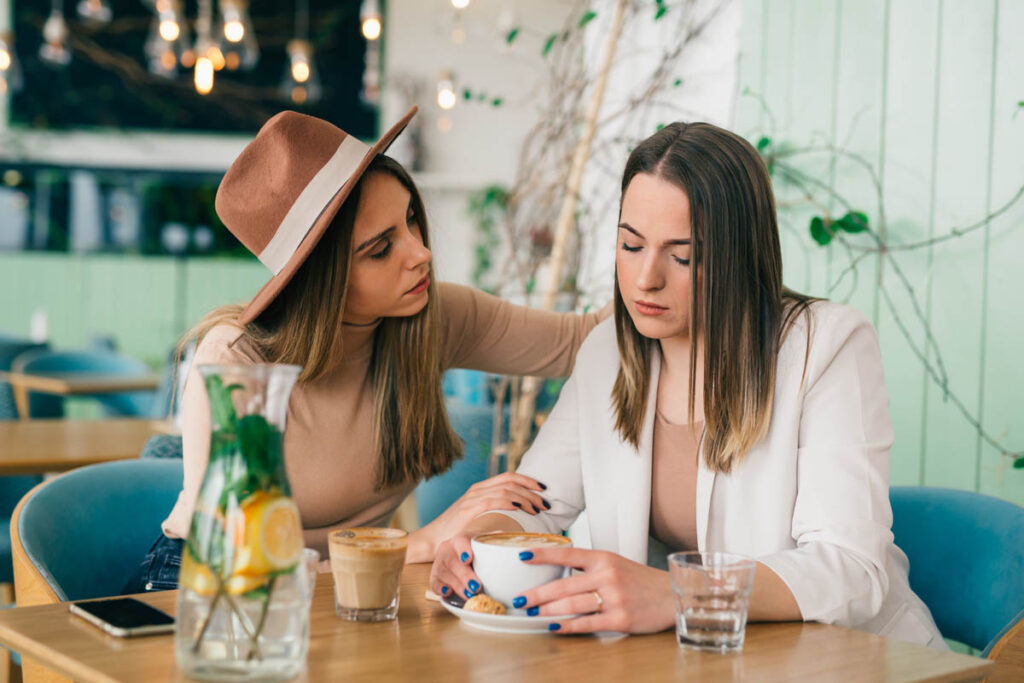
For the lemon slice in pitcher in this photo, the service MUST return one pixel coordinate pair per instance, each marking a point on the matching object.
(272, 536)
(196, 576)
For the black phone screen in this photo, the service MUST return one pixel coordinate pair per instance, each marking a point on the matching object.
(126, 613)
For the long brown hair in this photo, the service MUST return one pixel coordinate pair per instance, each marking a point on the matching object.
(739, 307)
(303, 326)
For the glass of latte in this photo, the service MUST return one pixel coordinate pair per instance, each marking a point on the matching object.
(367, 565)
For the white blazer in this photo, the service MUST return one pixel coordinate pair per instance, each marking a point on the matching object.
(810, 501)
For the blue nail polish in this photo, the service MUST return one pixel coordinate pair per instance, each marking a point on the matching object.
(554, 627)
(532, 611)
(546, 504)
(444, 590)
(536, 509)
(517, 504)
(542, 486)
(473, 585)
(467, 593)
(464, 557)
(526, 555)
(519, 602)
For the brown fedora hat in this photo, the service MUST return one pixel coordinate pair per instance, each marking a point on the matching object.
(285, 188)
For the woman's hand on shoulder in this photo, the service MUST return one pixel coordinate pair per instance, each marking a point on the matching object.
(613, 593)
(509, 491)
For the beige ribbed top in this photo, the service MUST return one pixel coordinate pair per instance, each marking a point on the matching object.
(674, 483)
(330, 450)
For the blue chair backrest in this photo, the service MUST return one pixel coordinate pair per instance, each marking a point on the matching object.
(11, 348)
(474, 424)
(136, 403)
(167, 446)
(87, 530)
(966, 553)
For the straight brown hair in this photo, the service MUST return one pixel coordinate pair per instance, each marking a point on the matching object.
(739, 308)
(303, 326)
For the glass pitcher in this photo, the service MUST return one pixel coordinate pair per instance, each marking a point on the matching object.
(243, 612)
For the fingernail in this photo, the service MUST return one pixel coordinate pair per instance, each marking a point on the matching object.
(519, 602)
(543, 487)
(467, 593)
(473, 585)
(546, 504)
(444, 590)
(532, 611)
(536, 509)
(516, 504)
(464, 557)
(554, 627)
(526, 555)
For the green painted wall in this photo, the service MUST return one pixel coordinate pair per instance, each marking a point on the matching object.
(926, 93)
(144, 303)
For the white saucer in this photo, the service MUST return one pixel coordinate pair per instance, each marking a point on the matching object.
(501, 623)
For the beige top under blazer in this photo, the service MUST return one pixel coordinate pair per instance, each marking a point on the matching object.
(810, 501)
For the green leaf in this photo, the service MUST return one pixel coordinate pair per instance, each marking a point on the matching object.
(548, 44)
(254, 440)
(497, 102)
(466, 94)
(660, 13)
(819, 232)
(853, 221)
(660, 126)
(678, 82)
(763, 144)
(510, 38)
(530, 285)
(1018, 464)
(222, 410)
(587, 17)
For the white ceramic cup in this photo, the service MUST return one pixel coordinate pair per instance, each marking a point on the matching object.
(504, 576)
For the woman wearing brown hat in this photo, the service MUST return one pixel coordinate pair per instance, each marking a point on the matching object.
(353, 301)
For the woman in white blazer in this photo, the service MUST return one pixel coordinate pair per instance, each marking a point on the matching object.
(784, 397)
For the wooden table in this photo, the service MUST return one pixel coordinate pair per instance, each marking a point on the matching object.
(37, 446)
(74, 384)
(428, 644)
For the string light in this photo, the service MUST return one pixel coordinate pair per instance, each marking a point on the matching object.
(237, 39)
(10, 70)
(300, 83)
(460, 4)
(95, 11)
(369, 14)
(169, 30)
(204, 75)
(54, 50)
(446, 91)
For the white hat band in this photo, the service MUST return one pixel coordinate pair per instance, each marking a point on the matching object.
(311, 203)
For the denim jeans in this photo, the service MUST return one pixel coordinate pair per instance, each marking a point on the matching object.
(159, 569)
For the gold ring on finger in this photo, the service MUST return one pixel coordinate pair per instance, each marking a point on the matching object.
(600, 601)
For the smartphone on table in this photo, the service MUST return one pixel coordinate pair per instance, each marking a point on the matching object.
(124, 617)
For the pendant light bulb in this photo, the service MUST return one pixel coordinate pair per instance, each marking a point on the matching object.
(369, 15)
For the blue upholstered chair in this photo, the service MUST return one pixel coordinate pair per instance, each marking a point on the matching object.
(966, 554)
(82, 534)
(14, 487)
(134, 404)
(11, 348)
(474, 424)
(162, 446)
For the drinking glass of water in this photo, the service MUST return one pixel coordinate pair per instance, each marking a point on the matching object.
(712, 596)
